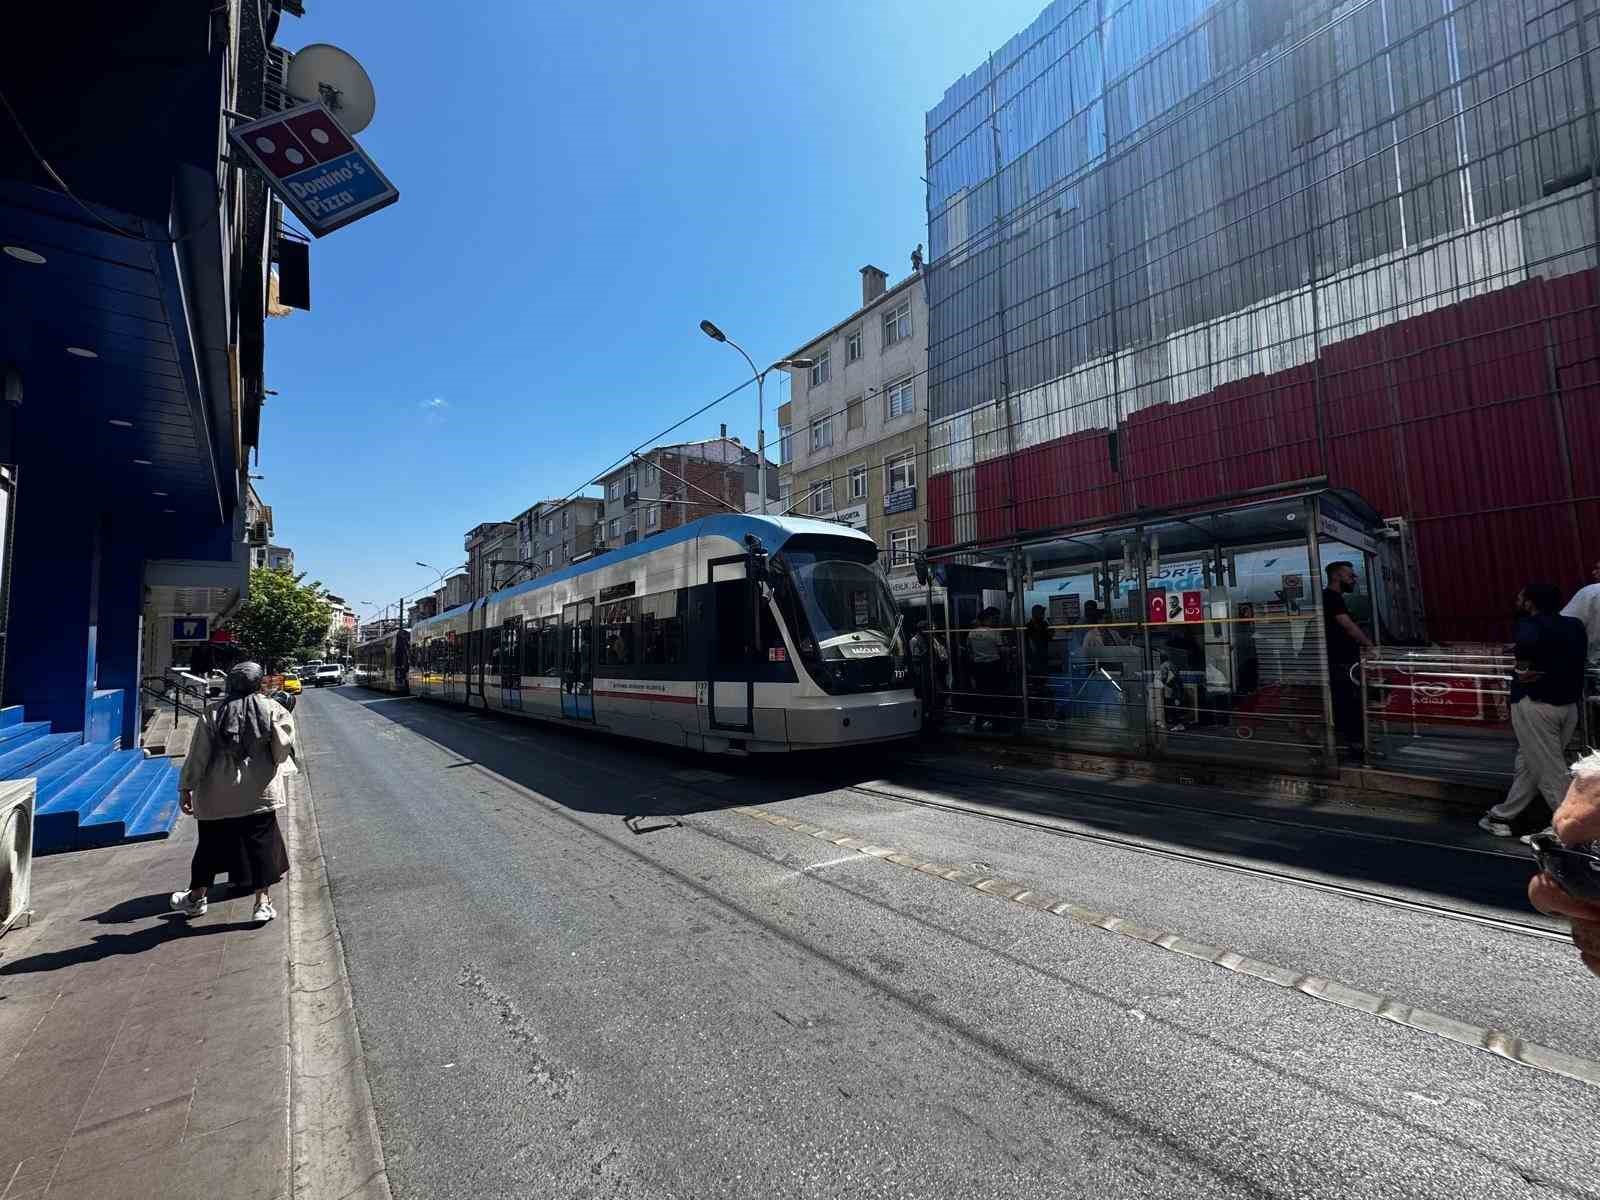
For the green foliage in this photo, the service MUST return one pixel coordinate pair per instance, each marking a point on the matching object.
(281, 617)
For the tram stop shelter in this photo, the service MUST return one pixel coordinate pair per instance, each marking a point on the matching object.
(1186, 634)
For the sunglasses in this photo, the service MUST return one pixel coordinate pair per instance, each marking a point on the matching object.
(1575, 868)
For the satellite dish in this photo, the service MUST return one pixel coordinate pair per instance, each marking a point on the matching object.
(323, 72)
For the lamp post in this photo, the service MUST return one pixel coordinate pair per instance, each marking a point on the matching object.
(803, 364)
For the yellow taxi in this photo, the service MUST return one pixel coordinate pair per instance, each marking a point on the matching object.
(291, 683)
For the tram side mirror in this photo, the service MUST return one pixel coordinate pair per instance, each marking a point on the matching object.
(759, 565)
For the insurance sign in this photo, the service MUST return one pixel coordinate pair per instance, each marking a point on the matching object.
(315, 167)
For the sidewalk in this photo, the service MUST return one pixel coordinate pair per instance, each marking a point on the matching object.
(143, 1055)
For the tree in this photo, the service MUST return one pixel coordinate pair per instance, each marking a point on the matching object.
(281, 616)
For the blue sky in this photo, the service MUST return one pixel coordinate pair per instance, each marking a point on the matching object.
(580, 185)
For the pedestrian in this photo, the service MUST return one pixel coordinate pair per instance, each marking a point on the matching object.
(988, 672)
(1577, 824)
(1036, 638)
(1098, 637)
(232, 782)
(1546, 686)
(1345, 640)
(1585, 607)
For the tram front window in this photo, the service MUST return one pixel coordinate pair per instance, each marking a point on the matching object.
(844, 620)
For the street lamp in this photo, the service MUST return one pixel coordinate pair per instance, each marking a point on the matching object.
(801, 364)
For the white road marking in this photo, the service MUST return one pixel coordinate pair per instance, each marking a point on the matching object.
(1331, 991)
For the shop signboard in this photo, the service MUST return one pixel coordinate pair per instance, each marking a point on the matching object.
(900, 500)
(314, 167)
(191, 629)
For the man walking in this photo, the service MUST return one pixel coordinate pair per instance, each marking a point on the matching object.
(1345, 641)
(1546, 685)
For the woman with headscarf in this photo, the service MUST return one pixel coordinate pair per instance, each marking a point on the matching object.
(232, 781)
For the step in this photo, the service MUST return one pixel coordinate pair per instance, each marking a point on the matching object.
(158, 812)
(107, 822)
(54, 776)
(26, 759)
(55, 827)
(10, 715)
(22, 731)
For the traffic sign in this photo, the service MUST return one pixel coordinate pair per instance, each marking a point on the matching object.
(315, 167)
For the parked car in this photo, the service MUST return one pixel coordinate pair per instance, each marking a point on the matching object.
(328, 673)
(291, 682)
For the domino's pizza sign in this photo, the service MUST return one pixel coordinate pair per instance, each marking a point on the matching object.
(315, 167)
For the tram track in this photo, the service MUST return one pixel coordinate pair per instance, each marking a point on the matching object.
(879, 791)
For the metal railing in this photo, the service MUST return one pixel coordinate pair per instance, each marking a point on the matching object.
(1443, 713)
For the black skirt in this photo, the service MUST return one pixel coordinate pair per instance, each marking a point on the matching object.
(249, 850)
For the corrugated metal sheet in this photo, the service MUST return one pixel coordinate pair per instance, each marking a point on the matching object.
(1480, 422)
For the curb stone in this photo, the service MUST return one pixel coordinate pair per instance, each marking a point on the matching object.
(334, 1142)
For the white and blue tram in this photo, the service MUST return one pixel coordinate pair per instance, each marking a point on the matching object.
(730, 634)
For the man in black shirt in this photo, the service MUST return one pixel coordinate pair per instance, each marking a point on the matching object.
(1345, 640)
(1546, 688)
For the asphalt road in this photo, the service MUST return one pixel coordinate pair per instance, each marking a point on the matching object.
(581, 970)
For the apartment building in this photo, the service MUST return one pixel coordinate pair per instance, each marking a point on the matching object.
(491, 547)
(672, 485)
(554, 532)
(853, 437)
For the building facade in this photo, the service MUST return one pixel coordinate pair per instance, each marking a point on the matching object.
(560, 530)
(672, 485)
(132, 338)
(280, 558)
(853, 437)
(491, 552)
(452, 592)
(1191, 250)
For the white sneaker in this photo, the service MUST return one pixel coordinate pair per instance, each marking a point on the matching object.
(1527, 838)
(1489, 825)
(264, 912)
(188, 905)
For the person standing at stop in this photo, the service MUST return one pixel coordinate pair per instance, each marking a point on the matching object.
(1345, 641)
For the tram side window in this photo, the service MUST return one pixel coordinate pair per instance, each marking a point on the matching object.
(530, 646)
(491, 654)
(617, 633)
(661, 628)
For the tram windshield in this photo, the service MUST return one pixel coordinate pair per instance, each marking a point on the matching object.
(833, 596)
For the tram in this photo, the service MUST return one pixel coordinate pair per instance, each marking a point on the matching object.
(731, 634)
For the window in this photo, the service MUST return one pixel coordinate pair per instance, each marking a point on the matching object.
(852, 346)
(563, 518)
(822, 497)
(661, 628)
(649, 473)
(614, 527)
(785, 490)
(615, 491)
(785, 449)
(858, 482)
(854, 414)
(902, 398)
(897, 324)
(549, 557)
(633, 484)
(549, 526)
(617, 621)
(900, 472)
(821, 370)
(821, 433)
(902, 547)
(652, 517)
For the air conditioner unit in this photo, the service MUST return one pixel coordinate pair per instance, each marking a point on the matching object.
(16, 850)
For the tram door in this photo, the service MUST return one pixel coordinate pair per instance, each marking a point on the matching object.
(577, 661)
(511, 662)
(731, 625)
